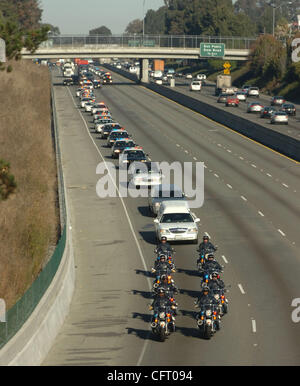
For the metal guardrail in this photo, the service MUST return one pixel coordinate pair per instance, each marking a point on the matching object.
(17, 315)
(135, 40)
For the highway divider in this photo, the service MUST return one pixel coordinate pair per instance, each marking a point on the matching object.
(34, 321)
(281, 143)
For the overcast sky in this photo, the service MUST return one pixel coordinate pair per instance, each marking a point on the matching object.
(80, 16)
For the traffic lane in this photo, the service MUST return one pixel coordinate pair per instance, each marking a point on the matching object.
(156, 144)
(96, 329)
(207, 95)
(186, 304)
(233, 173)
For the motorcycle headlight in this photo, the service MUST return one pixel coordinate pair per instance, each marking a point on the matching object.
(162, 315)
(162, 324)
(217, 296)
(208, 313)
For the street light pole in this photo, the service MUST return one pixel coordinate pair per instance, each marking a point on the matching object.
(143, 18)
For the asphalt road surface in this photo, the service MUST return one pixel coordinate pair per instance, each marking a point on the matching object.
(251, 211)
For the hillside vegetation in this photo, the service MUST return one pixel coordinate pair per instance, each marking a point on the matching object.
(29, 216)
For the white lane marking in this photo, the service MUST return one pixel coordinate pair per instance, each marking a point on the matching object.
(219, 145)
(268, 174)
(177, 145)
(229, 151)
(127, 216)
(241, 158)
(280, 231)
(224, 258)
(194, 158)
(216, 175)
(241, 289)
(244, 198)
(285, 185)
(229, 186)
(186, 151)
(253, 325)
(207, 234)
(254, 166)
(261, 213)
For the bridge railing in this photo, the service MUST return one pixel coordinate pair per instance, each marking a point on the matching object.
(146, 41)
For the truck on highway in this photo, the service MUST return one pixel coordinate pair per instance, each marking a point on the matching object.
(224, 85)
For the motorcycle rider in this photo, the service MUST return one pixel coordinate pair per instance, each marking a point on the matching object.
(216, 283)
(162, 263)
(206, 245)
(211, 264)
(167, 284)
(162, 301)
(204, 299)
(164, 246)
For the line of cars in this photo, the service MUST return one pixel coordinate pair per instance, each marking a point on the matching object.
(167, 202)
(280, 116)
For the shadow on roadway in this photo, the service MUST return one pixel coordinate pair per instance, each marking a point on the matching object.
(145, 317)
(145, 211)
(191, 314)
(190, 272)
(193, 294)
(143, 334)
(144, 294)
(149, 237)
(189, 332)
(145, 273)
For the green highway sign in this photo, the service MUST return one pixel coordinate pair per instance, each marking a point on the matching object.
(211, 50)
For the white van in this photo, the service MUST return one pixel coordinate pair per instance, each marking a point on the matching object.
(176, 222)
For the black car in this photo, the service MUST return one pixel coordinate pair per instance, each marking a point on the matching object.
(106, 79)
(97, 83)
(288, 108)
(120, 145)
(106, 129)
(133, 155)
(68, 82)
(114, 135)
(267, 112)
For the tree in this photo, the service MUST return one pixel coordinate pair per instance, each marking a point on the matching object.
(269, 58)
(26, 13)
(155, 21)
(52, 29)
(100, 31)
(134, 27)
(19, 28)
(7, 180)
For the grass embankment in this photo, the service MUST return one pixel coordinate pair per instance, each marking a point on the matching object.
(29, 217)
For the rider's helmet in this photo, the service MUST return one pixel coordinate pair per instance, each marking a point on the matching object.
(210, 256)
(205, 238)
(163, 239)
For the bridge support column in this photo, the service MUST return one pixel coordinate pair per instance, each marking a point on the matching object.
(144, 73)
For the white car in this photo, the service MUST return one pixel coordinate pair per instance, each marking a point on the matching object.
(176, 222)
(148, 175)
(84, 101)
(195, 85)
(201, 77)
(280, 117)
(158, 81)
(88, 106)
(188, 76)
(133, 69)
(241, 95)
(253, 91)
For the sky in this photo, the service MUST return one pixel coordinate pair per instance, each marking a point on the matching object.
(80, 16)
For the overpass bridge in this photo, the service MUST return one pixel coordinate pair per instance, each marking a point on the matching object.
(143, 47)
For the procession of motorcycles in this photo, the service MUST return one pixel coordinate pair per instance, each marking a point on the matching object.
(212, 302)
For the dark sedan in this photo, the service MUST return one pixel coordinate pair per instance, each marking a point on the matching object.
(288, 108)
(267, 112)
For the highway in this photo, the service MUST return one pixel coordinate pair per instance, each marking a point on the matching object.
(207, 94)
(251, 211)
